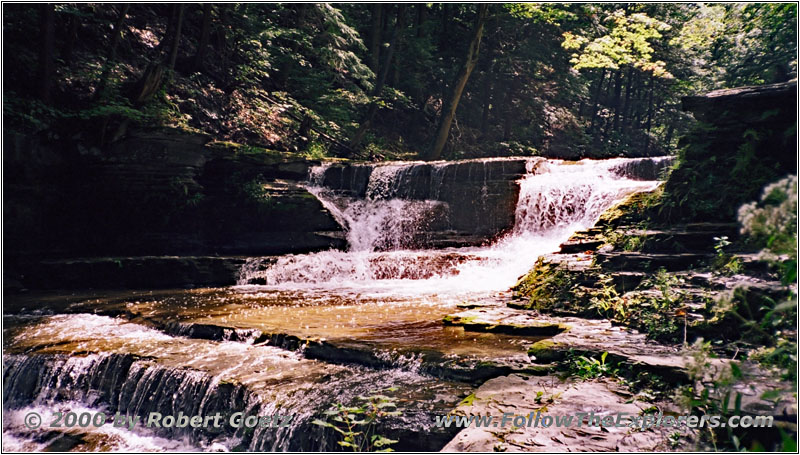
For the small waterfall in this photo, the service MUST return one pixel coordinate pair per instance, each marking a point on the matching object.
(576, 194)
(171, 375)
(399, 201)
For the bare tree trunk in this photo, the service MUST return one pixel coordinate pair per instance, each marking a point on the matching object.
(487, 100)
(396, 69)
(422, 15)
(509, 108)
(649, 112)
(116, 37)
(458, 88)
(205, 37)
(222, 41)
(596, 100)
(617, 99)
(72, 37)
(46, 51)
(355, 142)
(626, 110)
(375, 37)
(176, 39)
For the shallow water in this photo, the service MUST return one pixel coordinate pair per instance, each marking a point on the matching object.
(378, 300)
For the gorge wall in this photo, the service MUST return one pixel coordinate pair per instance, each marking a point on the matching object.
(745, 138)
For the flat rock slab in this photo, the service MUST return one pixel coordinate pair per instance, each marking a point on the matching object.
(592, 337)
(520, 395)
(505, 320)
(635, 261)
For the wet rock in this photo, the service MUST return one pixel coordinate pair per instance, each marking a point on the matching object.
(579, 246)
(481, 195)
(627, 281)
(505, 320)
(645, 168)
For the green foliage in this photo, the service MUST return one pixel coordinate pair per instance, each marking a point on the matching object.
(546, 286)
(726, 263)
(771, 224)
(626, 41)
(357, 424)
(608, 302)
(591, 368)
(524, 97)
(715, 389)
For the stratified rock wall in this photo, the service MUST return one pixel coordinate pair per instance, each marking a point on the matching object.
(480, 195)
(746, 138)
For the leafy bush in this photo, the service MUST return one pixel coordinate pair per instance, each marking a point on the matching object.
(357, 424)
(771, 224)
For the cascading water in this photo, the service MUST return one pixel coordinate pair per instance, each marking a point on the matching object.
(554, 201)
(383, 299)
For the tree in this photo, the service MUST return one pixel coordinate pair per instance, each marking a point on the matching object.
(46, 51)
(205, 37)
(355, 142)
(470, 61)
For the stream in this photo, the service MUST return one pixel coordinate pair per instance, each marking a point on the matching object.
(299, 333)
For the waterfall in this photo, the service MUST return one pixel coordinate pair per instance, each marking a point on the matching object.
(154, 372)
(386, 208)
(386, 293)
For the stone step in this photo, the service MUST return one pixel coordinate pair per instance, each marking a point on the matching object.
(644, 262)
(504, 319)
(580, 246)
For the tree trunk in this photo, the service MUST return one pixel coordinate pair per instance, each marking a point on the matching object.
(617, 99)
(205, 37)
(596, 100)
(458, 88)
(422, 14)
(222, 41)
(72, 37)
(649, 113)
(396, 70)
(355, 142)
(487, 99)
(176, 39)
(299, 24)
(626, 110)
(116, 37)
(509, 108)
(46, 51)
(375, 37)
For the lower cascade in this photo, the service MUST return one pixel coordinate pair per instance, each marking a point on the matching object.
(302, 332)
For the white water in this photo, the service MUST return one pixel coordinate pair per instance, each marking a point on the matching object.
(558, 200)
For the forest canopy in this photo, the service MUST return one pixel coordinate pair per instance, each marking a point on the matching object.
(377, 81)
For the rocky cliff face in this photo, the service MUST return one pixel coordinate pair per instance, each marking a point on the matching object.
(746, 137)
(477, 198)
(161, 192)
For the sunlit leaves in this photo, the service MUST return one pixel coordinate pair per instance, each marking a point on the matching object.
(551, 13)
(626, 41)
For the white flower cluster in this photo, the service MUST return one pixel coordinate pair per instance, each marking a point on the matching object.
(773, 219)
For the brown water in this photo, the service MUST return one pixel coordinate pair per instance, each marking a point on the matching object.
(322, 328)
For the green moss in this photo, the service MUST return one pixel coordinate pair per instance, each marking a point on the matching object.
(631, 210)
(546, 286)
(546, 351)
(458, 320)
